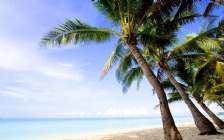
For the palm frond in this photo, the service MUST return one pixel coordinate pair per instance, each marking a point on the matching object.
(110, 9)
(184, 71)
(194, 44)
(125, 63)
(216, 89)
(174, 97)
(209, 45)
(139, 79)
(168, 86)
(76, 32)
(115, 56)
(143, 11)
(148, 38)
(186, 5)
(208, 67)
(193, 57)
(208, 25)
(173, 25)
(130, 76)
(157, 11)
(198, 89)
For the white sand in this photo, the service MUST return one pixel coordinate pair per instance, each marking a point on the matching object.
(187, 130)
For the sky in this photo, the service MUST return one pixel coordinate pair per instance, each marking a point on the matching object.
(62, 82)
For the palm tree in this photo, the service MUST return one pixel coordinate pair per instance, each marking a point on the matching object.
(198, 116)
(128, 69)
(195, 85)
(130, 16)
(216, 93)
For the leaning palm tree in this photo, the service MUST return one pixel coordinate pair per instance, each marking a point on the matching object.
(192, 81)
(197, 115)
(211, 40)
(168, 70)
(130, 16)
(156, 54)
(216, 95)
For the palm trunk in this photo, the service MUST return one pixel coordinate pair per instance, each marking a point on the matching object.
(220, 104)
(170, 130)
(203, 124)
(216, 120)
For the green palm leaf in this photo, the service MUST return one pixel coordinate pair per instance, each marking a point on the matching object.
(197, 44)
(130, 76)
(207, 67)
(174, 97)
(216, 89)
(125, 64)
(115, 56)
(76, 32)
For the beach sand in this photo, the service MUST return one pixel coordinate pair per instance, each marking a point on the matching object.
(187, 130)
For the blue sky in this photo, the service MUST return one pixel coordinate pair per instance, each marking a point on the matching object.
(62, 82)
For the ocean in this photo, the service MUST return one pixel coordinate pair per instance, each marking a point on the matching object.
(26, 129)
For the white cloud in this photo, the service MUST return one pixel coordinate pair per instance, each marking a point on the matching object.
(13, 94)
(65, 64)
(127, 111)
(62, 74)
(27, 72)
(14, 56)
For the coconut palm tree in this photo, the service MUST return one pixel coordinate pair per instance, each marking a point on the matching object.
(129, 70)
(180, 89)
(216, 94)
(194, 83)
(156, 54)
(130, 16)
(165, 67)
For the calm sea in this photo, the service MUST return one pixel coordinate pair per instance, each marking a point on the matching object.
(26, 129)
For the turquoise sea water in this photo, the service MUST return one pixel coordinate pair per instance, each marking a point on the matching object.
(24, 129)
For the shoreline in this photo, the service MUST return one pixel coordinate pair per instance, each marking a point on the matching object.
(188, 131)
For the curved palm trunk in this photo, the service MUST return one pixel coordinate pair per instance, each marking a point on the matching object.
(216, 120)
(170, 130)
(203, 124)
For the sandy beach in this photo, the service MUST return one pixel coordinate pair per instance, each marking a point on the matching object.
(187, 130)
